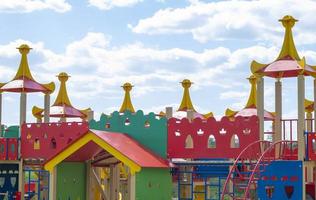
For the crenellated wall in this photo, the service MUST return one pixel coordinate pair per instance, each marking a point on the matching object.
(201, 139)
(44, 140)
(149, 130)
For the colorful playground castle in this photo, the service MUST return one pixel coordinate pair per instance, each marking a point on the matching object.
(184, 155)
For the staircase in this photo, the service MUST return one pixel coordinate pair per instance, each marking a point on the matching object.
(241, 182)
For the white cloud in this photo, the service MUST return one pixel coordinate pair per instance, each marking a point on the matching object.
(222, 20)
(98, 69)
(25, 6)
(109, 4)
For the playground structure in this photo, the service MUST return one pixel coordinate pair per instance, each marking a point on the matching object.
(184, 155)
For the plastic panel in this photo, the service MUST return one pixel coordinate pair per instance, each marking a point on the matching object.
(230, 137)
(53, 136)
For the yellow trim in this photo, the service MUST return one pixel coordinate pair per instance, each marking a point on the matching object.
(255, 67)
(127, 102)
(134, 167)
(208, 115)
(308, 104)
(252, 99)
(186, 103)
(50, 87)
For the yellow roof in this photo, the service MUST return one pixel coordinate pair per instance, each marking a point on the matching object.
(186, 103)
(127, 102)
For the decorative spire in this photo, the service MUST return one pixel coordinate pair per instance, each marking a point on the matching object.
(62, 107)
(62, 97)
(288, 47)
(127, 102)
(186, 103)
(252, 99)
(24, 69)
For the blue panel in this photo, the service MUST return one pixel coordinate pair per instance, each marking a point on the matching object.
(281, 176)
(9, 178)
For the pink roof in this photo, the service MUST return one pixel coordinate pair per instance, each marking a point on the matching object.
(23, 85)
(65, 111)
(286, 68)
(248, 112)
(122, 143)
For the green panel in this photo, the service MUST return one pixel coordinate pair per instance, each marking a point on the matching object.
(153, 184)
(10, 132)
(148, 130)
(71, 181)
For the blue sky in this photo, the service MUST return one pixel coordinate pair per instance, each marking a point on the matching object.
(154, 44)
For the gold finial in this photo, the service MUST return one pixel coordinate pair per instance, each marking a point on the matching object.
(186, 103)
(127, 102)
(288, 21)
(63, 77)
(24, 49)
(186, 83)
(62, 97)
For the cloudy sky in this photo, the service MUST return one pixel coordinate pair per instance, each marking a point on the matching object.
(154, 44)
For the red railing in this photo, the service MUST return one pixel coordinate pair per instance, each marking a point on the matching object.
(259, 155)
(237, 174)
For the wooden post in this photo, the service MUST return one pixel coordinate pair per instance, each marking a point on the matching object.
(114, 182)
(22, 108)
(131, 186)
(46, 107)
(21, 178)
(260, 106)
(301, 125)
(169, 112)
(190, 115)
(278, 111)
(52, 184)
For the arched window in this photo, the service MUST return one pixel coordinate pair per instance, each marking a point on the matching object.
(189, 142)
(234, 142)
(36, 145)
(211, 143)
(53, 144)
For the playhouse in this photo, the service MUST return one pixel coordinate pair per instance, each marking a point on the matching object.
(182, 154)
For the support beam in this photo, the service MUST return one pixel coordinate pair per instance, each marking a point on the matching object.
(190, 115)
(131, 186)
(22, 108)
(97, 182)
(301, 124)
(21, 178)
(260, 106)
(169, 112)
(114, 182)
(278, 111)
(46, 107)
(52, 184)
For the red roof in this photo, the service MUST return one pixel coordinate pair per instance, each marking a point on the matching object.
(122, 143)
